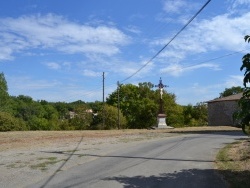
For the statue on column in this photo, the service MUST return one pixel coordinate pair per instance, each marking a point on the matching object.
(161, 86)
(161, 118)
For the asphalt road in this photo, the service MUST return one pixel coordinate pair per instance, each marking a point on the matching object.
(181, 161)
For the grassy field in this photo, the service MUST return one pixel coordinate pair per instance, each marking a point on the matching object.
(233, 162)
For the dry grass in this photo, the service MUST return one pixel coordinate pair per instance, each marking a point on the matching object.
(233, 162)
(12, 140)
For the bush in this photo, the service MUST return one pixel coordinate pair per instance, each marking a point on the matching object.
(111, 119)
(10, 123)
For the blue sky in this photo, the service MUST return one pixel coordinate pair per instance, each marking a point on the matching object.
(58, 50)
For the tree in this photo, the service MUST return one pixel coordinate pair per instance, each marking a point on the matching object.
(111, 119)
(140, 105)
(4, 96)
(195, 115)
(62, 109)
(83, 118)
(10, 123)
(137, 104)
(231, 91)
(244, 114)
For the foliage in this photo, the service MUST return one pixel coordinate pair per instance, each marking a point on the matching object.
(173, 111)
(244, 114)
(195, 115)
(83, 118)
(4, 96)
(231, 91)
(111, 119)
(139, 106)
(136, 104)
(10, 123)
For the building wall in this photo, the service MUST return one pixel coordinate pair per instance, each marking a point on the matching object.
(220, 113)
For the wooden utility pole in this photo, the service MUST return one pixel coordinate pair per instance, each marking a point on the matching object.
(103, 110)
(118, 104)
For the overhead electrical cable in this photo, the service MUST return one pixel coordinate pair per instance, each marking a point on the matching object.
(150, 60)
(226, 55)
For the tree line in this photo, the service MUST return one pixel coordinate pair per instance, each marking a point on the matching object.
(138, 109)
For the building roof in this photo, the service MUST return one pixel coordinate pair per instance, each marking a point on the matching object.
(235, 97)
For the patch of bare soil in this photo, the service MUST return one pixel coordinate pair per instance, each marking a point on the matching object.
(27, 157)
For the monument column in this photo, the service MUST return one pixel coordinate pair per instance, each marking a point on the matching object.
(161, 117)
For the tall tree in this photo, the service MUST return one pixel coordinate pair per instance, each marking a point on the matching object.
(136, 104)
(244, 103)
(4, 96)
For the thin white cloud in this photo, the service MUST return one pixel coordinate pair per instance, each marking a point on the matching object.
(234, 80)
(174, 6)
(133, 29)
(58, 65)
(91, 73)
(235, 4)
(131, 68)
(23, 84)
(5, 53)
(178, 70)
(53, 65)
(55, 32)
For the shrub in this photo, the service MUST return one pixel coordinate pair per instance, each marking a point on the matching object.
(10, 123)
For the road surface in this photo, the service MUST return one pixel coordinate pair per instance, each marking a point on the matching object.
(181, 161)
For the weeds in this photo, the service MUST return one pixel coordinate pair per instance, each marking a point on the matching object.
(233, 162)
(44, 165)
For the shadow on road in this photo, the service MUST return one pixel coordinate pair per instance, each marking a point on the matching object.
(149, 158)
(206, 178)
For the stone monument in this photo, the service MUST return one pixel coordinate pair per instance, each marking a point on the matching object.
(161, 117)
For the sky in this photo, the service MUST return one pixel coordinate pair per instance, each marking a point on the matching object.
(59, 50)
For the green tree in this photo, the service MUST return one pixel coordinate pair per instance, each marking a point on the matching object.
(111, 119)
(10, 123)
(244, 114)
(195, 115)
(136, 103)
(231, 91)
(62, 109)
(51, 115)
(97, 115)
(4, 96)
(83, 117)
(37, 115)
(140, 105)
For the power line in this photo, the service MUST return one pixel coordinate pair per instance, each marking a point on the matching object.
(168, 42)
(206, 61)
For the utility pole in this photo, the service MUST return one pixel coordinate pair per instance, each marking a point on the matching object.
(118, 104)
(103, 111)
